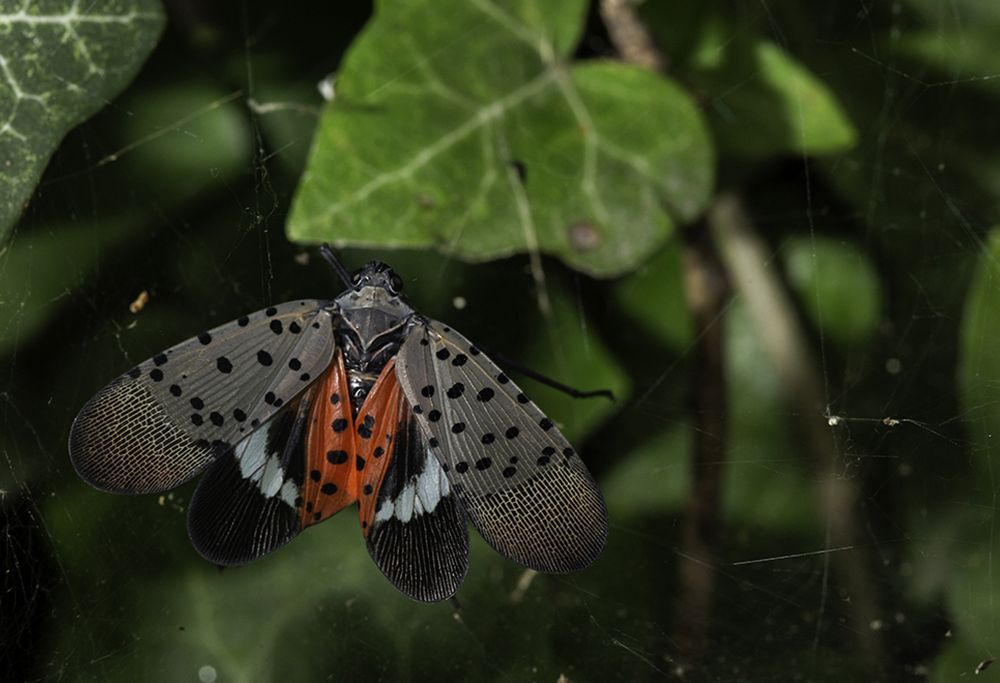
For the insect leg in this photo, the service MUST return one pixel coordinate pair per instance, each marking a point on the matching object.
(539, 377)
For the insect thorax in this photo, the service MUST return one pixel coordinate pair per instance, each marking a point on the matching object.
(369, 331)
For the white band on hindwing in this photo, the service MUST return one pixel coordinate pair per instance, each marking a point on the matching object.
(264, 469)
(420, 495)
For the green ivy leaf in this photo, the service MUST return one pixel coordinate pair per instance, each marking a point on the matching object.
(463, 127)
(766, 102)
(837, 286)
(59, 64)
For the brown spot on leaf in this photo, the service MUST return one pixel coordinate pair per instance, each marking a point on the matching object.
(584, 236)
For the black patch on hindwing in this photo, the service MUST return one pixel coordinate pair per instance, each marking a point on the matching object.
(230, 520)
(427, 556)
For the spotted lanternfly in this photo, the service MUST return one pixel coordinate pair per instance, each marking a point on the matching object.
(301, 409)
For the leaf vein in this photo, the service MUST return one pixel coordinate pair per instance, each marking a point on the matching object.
(482, 116)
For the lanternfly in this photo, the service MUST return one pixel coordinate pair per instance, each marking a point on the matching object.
(301, 409)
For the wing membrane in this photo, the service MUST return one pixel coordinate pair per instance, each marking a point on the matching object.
(165, 420)
(414, 527)
(246, 505)
(521, 483)
(377, 430)
(331, 482)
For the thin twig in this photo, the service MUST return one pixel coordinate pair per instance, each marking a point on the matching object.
(707, 292)
(630, 36)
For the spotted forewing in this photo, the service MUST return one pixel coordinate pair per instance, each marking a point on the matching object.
(518, 479)
(165, 420)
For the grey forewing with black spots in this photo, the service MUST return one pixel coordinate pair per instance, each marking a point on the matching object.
(165, 420)
(523, 486)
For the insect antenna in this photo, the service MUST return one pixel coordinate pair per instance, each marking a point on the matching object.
(335, 263)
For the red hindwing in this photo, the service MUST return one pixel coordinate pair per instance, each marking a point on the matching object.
(331, 481)
(346, 459)
(377, 424)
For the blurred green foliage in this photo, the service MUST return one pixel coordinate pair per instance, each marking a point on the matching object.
(862, 141)
(846, 309)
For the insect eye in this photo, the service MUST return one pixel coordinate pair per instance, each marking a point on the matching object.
(396, 283)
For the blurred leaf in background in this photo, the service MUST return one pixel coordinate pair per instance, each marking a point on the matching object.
(846, 307)
(760, 99)
(979, 382)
